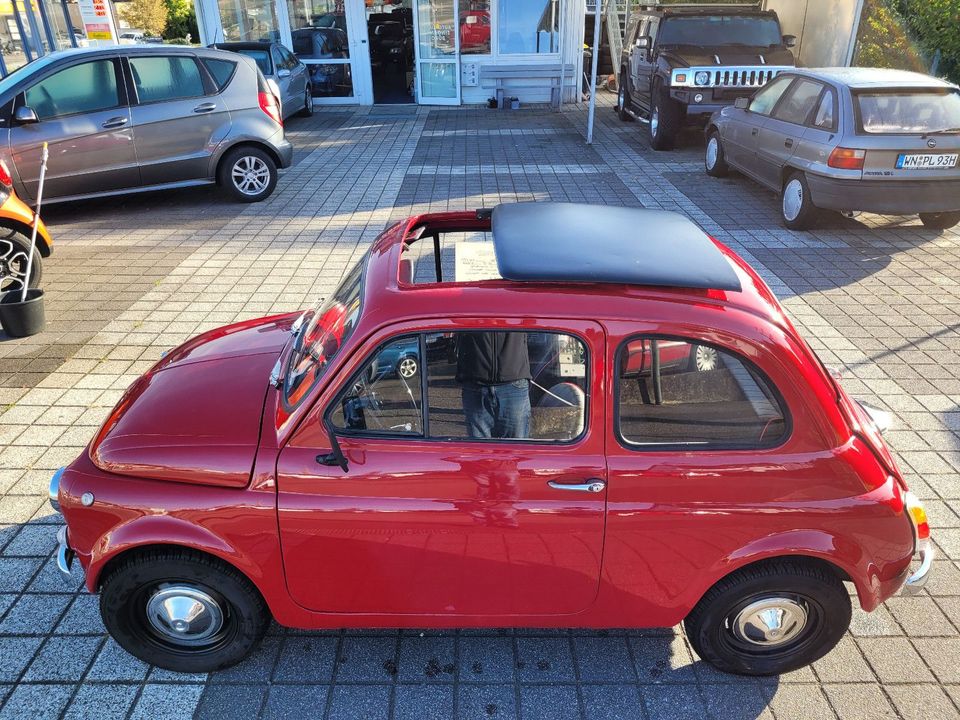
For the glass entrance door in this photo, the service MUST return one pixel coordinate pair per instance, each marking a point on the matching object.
(438, 52)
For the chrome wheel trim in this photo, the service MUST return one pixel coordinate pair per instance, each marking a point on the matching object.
(770, 622)
(655, 121)
(621, 101)
(706, 358)
(13, 266)
(713, 152)
(184, 615)
(792, 199)
(309, 101)
(250, 175)
(407, 368)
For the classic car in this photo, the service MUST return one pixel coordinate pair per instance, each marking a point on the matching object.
(848, 140)
(267, 470)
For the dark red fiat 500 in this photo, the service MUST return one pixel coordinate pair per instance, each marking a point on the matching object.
(548, 415)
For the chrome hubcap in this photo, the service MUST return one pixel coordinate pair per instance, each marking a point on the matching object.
(620, 99)
(655, 121)
(408, 367)
(309, 101)
(713, 150)
(13, 266)
(251, 175)
(792, 199)
(770, 622)
(706, 358)
(184, 615)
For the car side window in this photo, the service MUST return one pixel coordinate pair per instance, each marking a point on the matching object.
(824, 118)
(506, 385)
(291, 62)
(220, 70)
(163, 78)
(83, 88)
(278, 61)
(383, 398)
(798, 102)
(766, 99)
(678, 393)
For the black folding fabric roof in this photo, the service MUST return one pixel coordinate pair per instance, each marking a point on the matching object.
(577, 243)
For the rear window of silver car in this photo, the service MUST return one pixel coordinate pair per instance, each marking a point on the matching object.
(903, 112)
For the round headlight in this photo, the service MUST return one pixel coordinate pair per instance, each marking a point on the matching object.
(702, 78)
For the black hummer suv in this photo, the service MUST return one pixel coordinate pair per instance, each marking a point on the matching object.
(680, 63)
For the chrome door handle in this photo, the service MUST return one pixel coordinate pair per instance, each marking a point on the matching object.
(593, 486)
(755, 131)
(114, 122)
(205, 108)
(788, 142)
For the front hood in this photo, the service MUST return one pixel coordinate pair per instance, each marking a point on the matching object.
(195, 417)
(729, 56)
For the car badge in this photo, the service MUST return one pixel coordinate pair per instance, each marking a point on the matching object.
(931, 143)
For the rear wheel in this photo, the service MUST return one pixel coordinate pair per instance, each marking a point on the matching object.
(940, 221)
(797, 209)
(714, 160)
(249, 173)
(623, 99)
(770, 618)
(182, 611)
(14, 254)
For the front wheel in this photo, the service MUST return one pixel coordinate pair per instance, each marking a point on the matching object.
(797, 209)
(940, 221)
(249, 173)
(715, 161)
(182, 611)
(770, 618)
(623, 99)
(666, 116)
(14, 255)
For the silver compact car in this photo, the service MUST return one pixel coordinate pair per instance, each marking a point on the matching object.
(133, 118)
(847, 139)
(284, 68)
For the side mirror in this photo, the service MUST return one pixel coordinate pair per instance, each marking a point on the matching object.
(790, 40)
(25, 115)
(742, 103)
(643, 42)
(283, 73)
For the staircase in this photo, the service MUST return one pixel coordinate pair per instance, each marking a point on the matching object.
(616, 13)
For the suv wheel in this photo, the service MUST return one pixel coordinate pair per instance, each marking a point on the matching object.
(796, 207)
(307, 110)
(182, 611)
(666, 117)
(714, 159)
(14, 253)
(249, 173)
(940, 221)
(769, 619)
(623, 99)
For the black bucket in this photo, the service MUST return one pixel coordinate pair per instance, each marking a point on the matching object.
(21, 319)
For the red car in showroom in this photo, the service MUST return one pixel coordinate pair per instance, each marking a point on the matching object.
(560, 456)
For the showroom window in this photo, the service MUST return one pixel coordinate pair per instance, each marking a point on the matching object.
(475, 26)
(677, 392)
(165, 78)
(254, 20)
(84, 88)
(529, 27)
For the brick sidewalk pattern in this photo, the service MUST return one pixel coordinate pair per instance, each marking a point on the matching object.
(877, 297)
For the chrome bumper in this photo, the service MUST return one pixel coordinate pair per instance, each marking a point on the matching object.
(64, 554)
(918, 579)
(54, 489)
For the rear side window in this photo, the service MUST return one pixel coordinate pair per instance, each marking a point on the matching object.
(87, 87)
(798, 102)
(824, 119)
(220, 70)
(675, 392)
(908, 111)
(166, 78)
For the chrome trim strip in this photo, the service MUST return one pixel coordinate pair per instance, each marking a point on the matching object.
(882, 419)
(53, 492)
(64, 554)
(918, 579)
(729, 76)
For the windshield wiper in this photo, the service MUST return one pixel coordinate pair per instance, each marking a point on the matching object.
(942, 131)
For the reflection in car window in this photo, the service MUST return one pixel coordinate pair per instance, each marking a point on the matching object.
(261, 58)
(166, 78)
(765, 100)
(324, 331)
(719, 30)
(677, 392)
(824, 117)
(87, 87)
(798, 102)
(909, 111)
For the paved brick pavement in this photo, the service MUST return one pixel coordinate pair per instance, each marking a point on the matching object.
(878, 297)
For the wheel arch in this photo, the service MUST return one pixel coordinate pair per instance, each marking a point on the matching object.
(785, 172)
(44, 242)
(246, 143)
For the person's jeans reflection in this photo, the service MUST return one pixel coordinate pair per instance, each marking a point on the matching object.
(497, 411)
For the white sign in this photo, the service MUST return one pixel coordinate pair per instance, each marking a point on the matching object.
(476, 261)
(98, 22)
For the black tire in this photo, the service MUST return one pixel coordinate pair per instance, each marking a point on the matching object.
(712, 626)
(14, 253)
(801, 214)
(623, 98)
(234, 165)
(666, 117)
(714, 154)
(940, 221)
(307, 109)
(128, 588)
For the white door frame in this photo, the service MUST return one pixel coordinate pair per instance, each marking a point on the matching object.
(452, 60)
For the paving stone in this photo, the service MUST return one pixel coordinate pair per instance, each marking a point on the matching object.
(798, 701)
(113, 663)
(663, 659)
(306, 659)
(15, 573)
(612, 702)
(549, 702)
(63, 659)
(743, 700)
(34, 614)
(286, 702)
(922, 702)
(230, 702)
(486, 659)
(894, 660)
(359, 701)
(83, 617)
(844, 663)
(486, 701)
(36, 701)
(604, 659)
(544, 660)
(427, 659)
(104, 702)
(15, 654)
(920, 617)
(167, 702)
(666, 702)
(423, 702)
(943, 657)
(255, 668)
(367, 659)
(859, 702)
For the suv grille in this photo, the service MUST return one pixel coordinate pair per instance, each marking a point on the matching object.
(726, 77)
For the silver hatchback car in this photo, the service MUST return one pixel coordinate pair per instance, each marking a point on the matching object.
(847, 139)
(140, 117)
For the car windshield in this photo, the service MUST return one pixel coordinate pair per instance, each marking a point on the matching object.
(720, 30)
(909, 111)
(322, 332)
(261, 58)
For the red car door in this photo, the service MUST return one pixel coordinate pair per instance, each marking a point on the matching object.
(446, 525)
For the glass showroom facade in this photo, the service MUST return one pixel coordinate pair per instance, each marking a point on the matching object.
(394, 51)
(32, 28)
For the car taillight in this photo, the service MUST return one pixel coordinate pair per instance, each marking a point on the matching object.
(847, 159)
(268, 103)
(918, 516)
(5, 178)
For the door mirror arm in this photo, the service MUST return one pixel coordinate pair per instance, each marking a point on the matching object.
(335, 457)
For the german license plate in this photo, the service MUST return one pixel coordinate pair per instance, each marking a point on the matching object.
(927, 161)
